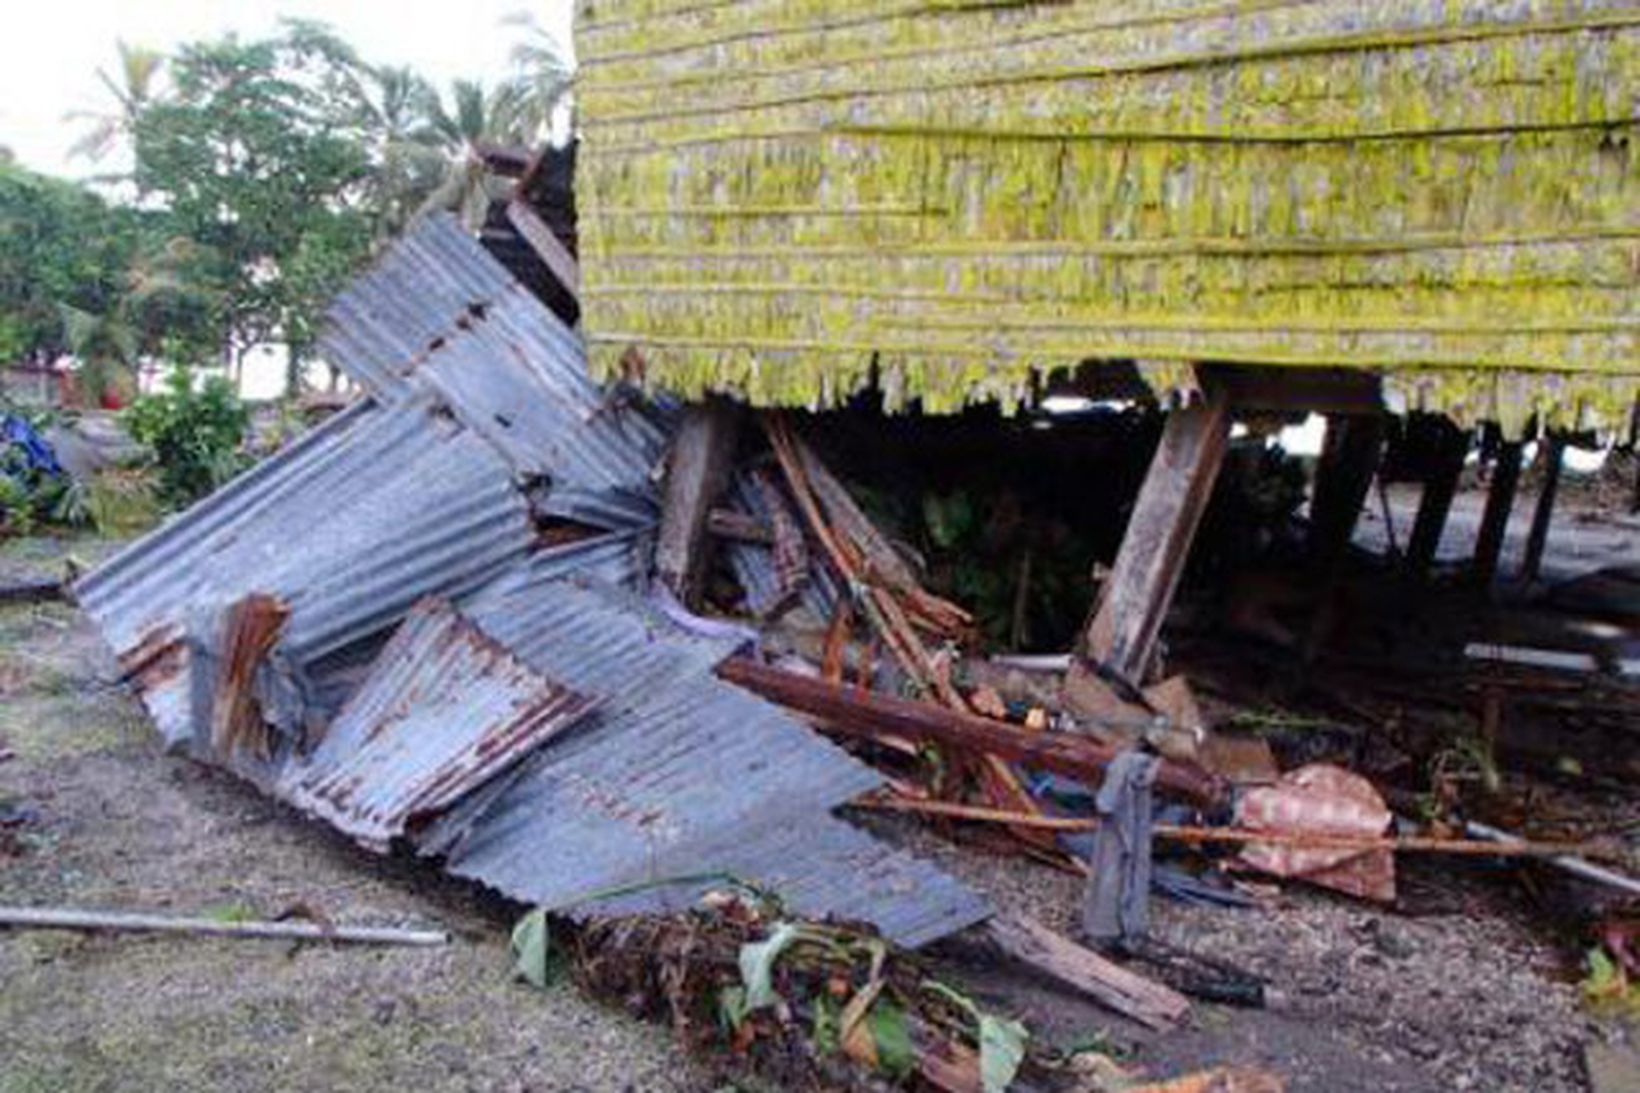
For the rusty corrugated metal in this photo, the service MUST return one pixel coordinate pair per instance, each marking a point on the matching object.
(675, 774)
(348, 527)
(439, 315)
(444, 709)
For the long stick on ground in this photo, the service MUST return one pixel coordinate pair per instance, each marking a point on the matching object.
(66, 918)
(1178, 833)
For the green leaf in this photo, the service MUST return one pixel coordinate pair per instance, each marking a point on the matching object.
(1001, 1050)
(825, 1034)
(757, 965)
(732, 1007)
(534, 959)
(892, 1034)
(1001, 1040)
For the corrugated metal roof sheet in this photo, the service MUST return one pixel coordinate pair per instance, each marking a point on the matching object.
(349, 526)
(677, 772)
(444, 710)
(439, 314)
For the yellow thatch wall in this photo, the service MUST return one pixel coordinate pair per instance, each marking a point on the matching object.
(779, 196)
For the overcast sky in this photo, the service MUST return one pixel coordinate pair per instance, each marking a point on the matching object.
(50, 50)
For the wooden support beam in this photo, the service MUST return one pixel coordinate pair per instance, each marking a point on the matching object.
(553, 254)
(697, 472)
(1349, 460)
(873, 716)
(1554, 451)
(1122, 636)
(1500, 499)
(1440, 484)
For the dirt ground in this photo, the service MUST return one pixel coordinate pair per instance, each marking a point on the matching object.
(1461, 988)
(118, 824)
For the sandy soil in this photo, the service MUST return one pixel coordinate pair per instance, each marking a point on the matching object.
(120, 825)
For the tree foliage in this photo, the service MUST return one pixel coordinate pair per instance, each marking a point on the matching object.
(263, 172)
(251, 157)
(195, 430)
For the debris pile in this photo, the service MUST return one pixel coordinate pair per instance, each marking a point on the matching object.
(807, 1004)
(427, 620)
(477, 614)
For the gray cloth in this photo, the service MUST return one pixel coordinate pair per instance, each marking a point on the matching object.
(1119, 881)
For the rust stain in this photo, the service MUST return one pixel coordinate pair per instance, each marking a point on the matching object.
(158, 658)
(253, 626)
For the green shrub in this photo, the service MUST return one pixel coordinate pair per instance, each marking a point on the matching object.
(195, 431)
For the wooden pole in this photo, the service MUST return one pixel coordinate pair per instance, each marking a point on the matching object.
(1187, 834)
(1436, 503)
(871, 715)
(1500, 499)
(1122, 636)
(1554, 451)
(697, 473)
(1349, 459)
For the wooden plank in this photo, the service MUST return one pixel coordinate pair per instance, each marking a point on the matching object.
(1554, 454)
(871, 715)
(697, 473)
(1500, 499)
(559, 261)
(1122, 635)
(1349, 459)
(1086, 972)
(1440, 484)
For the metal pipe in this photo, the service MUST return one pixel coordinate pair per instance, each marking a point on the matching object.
(67, 918)
(1575, 866)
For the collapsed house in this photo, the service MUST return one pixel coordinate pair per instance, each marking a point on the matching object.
(469, 614)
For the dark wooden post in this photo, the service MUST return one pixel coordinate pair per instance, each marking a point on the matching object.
(1500, 499)
(1122, 635)
(696, 474)
(1343, 475)
(1436, 502)
(1554, 450)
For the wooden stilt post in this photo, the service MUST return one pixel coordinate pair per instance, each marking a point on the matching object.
(1554, 450)
(1439, 486)
(1495, 521)
(696, 474)
(1349, 459)
(1122, 636)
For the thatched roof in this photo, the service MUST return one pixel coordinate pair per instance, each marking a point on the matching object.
(785, 198)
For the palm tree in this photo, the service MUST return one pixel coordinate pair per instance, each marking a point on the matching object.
(133, 86)
(398, 119)
(476, 118)
(545, 70)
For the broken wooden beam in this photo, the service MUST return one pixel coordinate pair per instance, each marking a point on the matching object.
(697, 472)
(739, 527)
(1500, 499)
(1553, 454)
(870, 715)
(1435, 503)
(1086, 972)
(1122, 636)
(547, 247)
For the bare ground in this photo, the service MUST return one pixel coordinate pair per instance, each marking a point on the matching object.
(118, 824)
